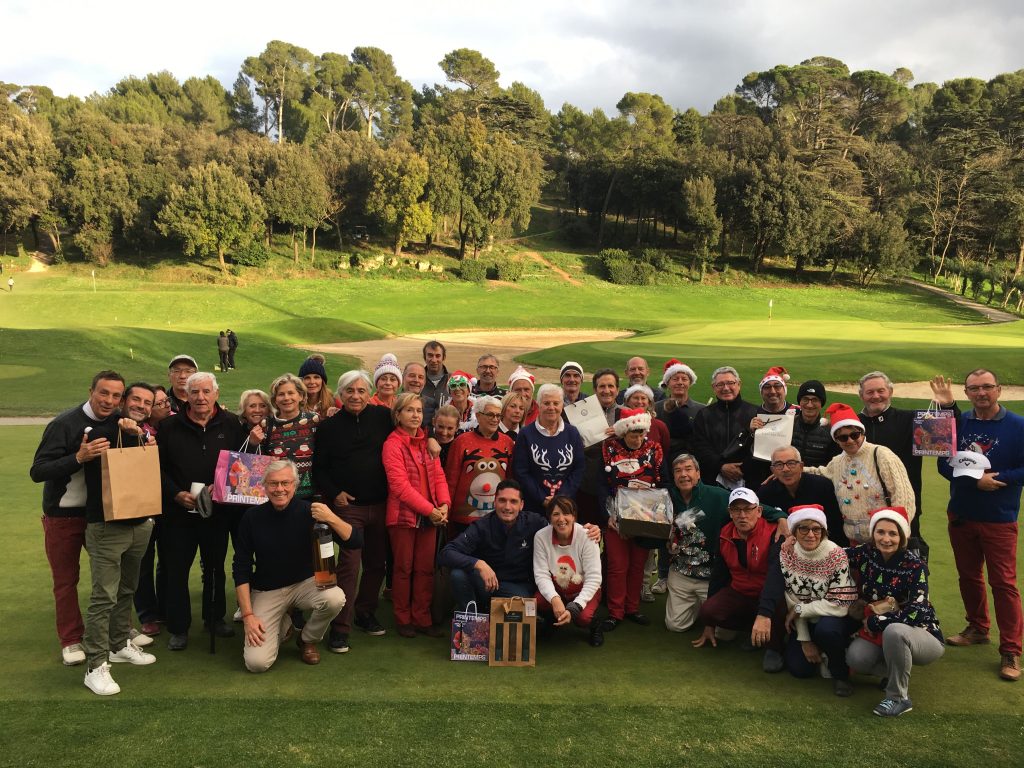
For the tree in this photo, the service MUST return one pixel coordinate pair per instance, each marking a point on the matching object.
(244, 112)
(212, 212)
(398, 179)
(384, 98)
(702, 217)
(296, 193)
(26, 170)
(345, 158)
(208, 103)
(281, 73)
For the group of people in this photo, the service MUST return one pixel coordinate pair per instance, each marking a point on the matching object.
(445, 488)
(227, 343)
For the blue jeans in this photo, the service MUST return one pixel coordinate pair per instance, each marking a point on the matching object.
(469, 586)
(831, 634)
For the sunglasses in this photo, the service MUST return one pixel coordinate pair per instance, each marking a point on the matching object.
(848, 436)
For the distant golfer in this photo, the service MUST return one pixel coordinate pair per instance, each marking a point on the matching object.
(10, 284)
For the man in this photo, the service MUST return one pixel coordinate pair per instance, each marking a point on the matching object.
(745, 548)
(59, 464)
(486, 377)
(277, 534)
(116, 549)
(493, 557)
(548, 456)
(894, 428)
(232, 346)
(637, 371)
(570, 376)
(773, 402)
(349, 473)
(478, 461)
(791, 487)
(178, 371)
(605, 383)
(677, 409)
(190, 444)
(983, 509)
(414, 378)
(720, 439)
(436, 386)
(811, 435)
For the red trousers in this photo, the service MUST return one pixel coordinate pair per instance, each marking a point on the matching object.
(586, 615)
(625, 577)
(412, 584)
(992, 546)
(64, 540)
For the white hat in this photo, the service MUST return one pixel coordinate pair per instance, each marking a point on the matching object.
(743, 494)
(520, 374)
(570, 365)
(630, 391)
(186, 358)
(969, 464)
(387, 364)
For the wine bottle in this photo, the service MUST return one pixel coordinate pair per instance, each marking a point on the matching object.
(323, 557)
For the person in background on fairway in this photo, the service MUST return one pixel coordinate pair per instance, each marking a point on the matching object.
(232, 346)
(984, 502)
(637, 372)
(59, 464)
(718, 428)
(277, 535)
(10, 284)
(178, 371)
(900, 628)
(222, 350)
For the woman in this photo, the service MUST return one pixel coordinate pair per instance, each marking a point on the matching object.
(291, 434)
(222, 349)
(521, 382)
(812, 576)
(417, 503)
(319, 398)
(253, 407)
(866, 476)
(460, 399)
(513, 411)
(443, 430)
(900, 626)
(160, 411)
(641, 396)
(387, 378)
(567, 570)
(631, 460)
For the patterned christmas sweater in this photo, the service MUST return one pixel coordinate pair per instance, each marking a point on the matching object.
(474, 467)
(904, 577)
(294, 439)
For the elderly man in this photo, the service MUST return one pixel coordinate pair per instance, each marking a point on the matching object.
(983, 509)
(436, 386)
(277, 534)
(349, 472)
(791, 487)
(678, 409)
(486, 377)
(478, 461)
(718, 429)
(548, 458)
(570, 376)
(414, 379)
(59, 464)
(811, 436)
(178, 371)
(746, 547)
(773, 402)
(637, 372)
(190, 444)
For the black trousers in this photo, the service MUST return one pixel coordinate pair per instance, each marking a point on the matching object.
(151, 594)
(181, 536)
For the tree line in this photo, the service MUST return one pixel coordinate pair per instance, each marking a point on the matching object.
(861, 171)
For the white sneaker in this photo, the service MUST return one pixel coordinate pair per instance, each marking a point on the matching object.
(645, 594)
(660, 587)
(72, 654)
(132, 654)
(139, 639)
(100, 682)
(237, 618)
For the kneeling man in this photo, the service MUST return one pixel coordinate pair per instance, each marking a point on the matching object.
(278, 535)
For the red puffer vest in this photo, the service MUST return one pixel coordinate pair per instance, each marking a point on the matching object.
(750, 580)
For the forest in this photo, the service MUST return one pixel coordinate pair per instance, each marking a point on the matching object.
(810, 165)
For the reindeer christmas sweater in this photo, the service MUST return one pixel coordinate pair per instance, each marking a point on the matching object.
(474, 467)
(548, 463)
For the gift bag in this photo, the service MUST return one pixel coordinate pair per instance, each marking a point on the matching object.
(131, 482)
(470, 631)
(935, 432)
(513, 632)
(238, 478)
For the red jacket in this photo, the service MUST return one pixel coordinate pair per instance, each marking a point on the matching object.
(747, 581)
(416, 482)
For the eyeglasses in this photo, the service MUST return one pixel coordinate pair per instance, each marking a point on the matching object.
(742, 510)
(487, 367)
(848, 436)
(280, 484)
(976, 388)
(774, 385)
(724, 384)
(810, 530)
(791, 464)
(490, 415)
(179, 371)
(162, 403)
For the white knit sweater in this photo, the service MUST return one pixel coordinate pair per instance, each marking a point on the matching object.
(820, 580)
(577, 577)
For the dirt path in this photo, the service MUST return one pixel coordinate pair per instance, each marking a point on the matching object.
(991, 314)
(557, 270)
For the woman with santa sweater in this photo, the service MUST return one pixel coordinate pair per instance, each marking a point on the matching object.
(567, 570)
(813, 577)
(900, 628)
(631, 460)
(417, 503)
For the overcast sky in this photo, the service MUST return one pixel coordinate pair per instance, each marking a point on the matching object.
(585, 53)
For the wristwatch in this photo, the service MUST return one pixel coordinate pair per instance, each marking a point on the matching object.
(798, 609)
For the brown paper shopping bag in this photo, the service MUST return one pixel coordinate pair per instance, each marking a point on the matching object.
(513, 641)
(131, 482)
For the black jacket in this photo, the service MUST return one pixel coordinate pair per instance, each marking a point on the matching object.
(812, 489)
(815, 443)
(715, 429)
(348, 455)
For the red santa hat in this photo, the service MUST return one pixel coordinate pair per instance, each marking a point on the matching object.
(567, 561)
(842, 415)
(520, 374)
(672, 367)
(775, 373)
(897, 515)
(802, 512)
(631, 420)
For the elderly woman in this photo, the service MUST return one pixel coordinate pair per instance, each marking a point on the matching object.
(253, 407)
(631, 460)
(641, 396)
(417, 503)
(387, 378)
(291, 434)
(460, 399)
(813, 577)
(866, 476)
(548, 457)
(513, 412)
(900, 626)
(567, 570)
(319, 398)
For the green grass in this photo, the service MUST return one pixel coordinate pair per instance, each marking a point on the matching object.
(645, 698)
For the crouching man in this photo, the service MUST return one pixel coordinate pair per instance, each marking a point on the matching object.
(278, 536)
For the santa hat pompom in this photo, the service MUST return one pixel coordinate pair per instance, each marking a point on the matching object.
(632, 419)
(775, 373)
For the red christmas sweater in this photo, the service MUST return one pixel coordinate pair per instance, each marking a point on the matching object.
(475, 466)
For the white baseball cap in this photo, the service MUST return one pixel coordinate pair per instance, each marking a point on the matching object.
(743, 494)
(969, 464)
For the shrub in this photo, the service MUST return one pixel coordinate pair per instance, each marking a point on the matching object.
(256, 254)
(656, 258)
(578, 232)
(473, 271)
(509, 270)
(623, 269)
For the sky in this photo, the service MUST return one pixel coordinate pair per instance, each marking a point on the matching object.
(586, 53)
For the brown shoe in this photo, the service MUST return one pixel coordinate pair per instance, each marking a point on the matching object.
(969, 635)
(431, 631)
(1009, 668)
(406, 630)
(310, 653)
